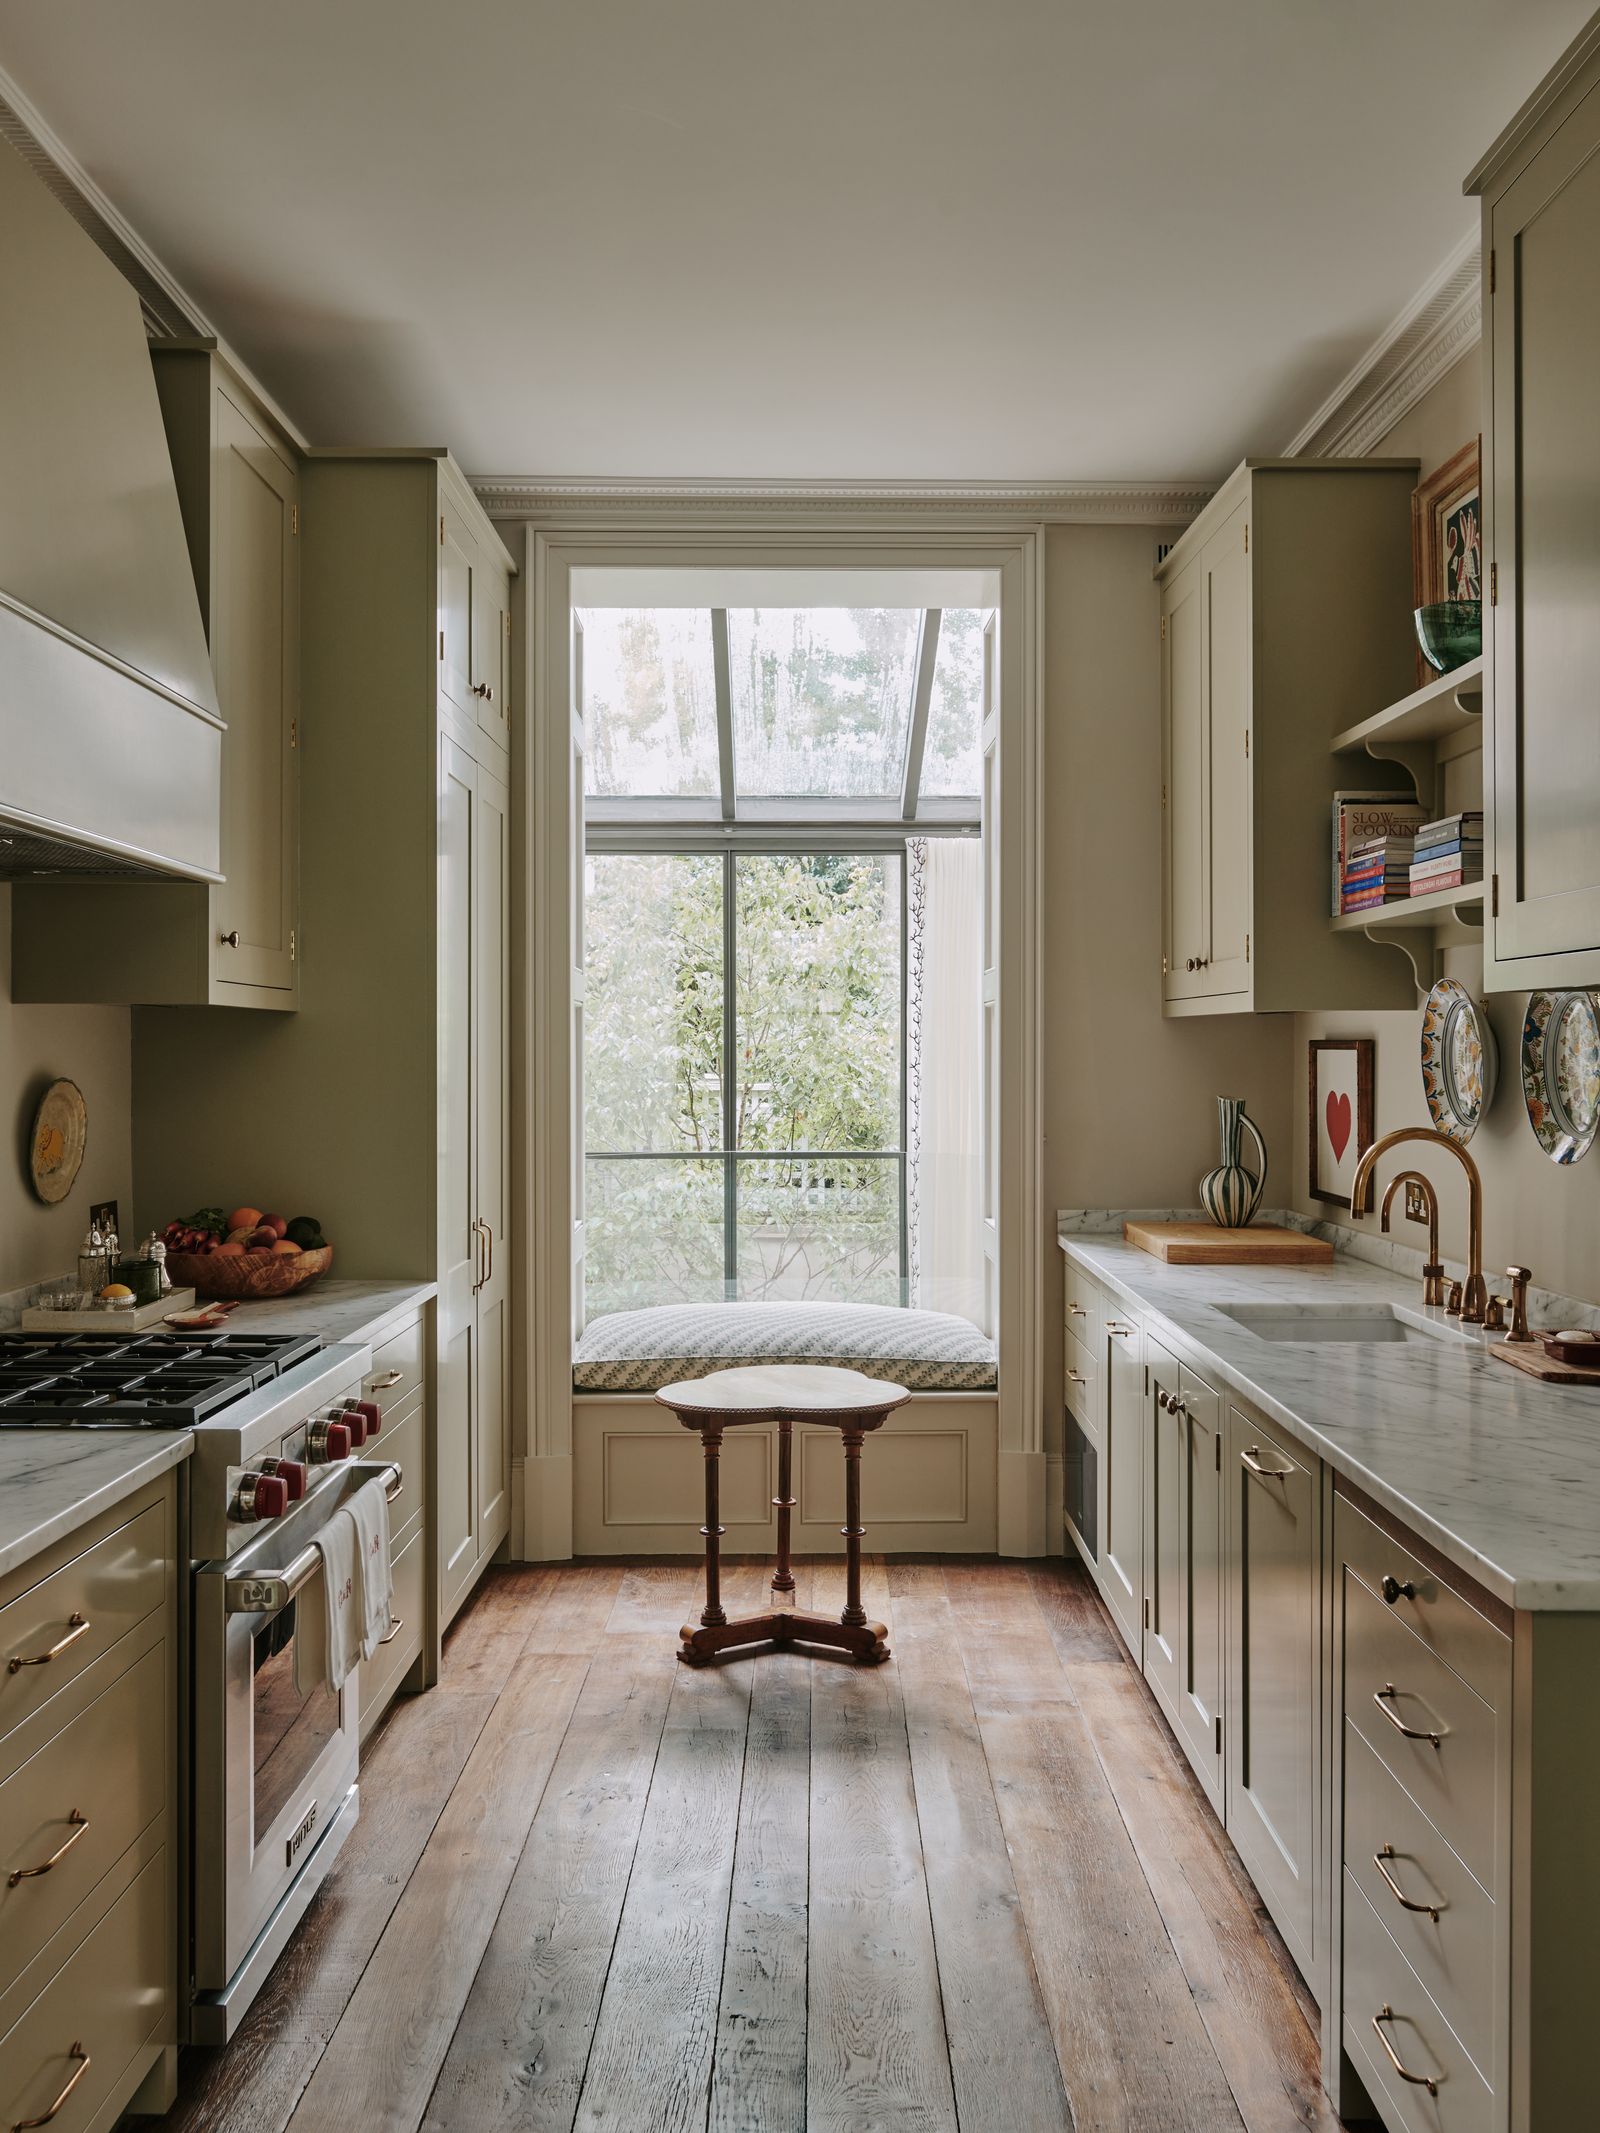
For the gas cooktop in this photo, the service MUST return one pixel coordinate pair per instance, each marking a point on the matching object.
(135, 1380)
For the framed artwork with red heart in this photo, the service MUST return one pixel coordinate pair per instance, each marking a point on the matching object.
(1339, 1076)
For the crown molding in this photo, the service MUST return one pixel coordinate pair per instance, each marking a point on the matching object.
(1120, 503)
(1442, 324)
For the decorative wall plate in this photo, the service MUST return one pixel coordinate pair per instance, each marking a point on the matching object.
(1561, 1072)
(1459, 1060)
(56, 1144)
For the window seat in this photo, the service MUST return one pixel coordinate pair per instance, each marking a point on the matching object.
(640, 1351)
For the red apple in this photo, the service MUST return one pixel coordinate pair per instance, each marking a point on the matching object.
(263, 1240)
(278, 1225)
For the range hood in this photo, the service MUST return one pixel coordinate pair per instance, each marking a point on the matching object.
(110, 741)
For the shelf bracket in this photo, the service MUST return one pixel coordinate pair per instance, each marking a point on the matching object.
(1416, 758)
(1394, 937)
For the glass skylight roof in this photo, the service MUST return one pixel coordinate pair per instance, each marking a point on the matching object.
(649, 702)
(821, 699)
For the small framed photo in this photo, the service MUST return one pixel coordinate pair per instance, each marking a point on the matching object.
(1447, 536)
(1339, 1077)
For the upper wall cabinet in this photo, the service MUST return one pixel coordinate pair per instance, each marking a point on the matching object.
(1285, 616)
(474, 619)
(234, 943)
(1540, 186)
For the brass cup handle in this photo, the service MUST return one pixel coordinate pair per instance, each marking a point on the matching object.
(85, 2061)
(398, 1623)
(1251, 1460)
(78, 1823)
(1387, 1851)
(1379, 1697)
(77, 1626)
(1421, 2081)
(387, 1383)
(229, 940)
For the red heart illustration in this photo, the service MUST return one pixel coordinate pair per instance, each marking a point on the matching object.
(1338, 1114)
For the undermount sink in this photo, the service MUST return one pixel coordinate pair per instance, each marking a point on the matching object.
(1366, 1325)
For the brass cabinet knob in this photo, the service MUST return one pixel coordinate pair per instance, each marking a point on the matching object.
(1392, 1589)
(229, 940)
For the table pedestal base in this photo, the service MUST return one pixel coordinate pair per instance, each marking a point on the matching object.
(865, 1641)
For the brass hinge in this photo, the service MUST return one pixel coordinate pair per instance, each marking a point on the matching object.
(441, 529)
(1494, 896)
(1494, 584)
(1247, 538)
(294, 518)
(1491, 273)
(291, 944)
(1217, 1443)
(1163, 629)
(1247, 947)
(1219, 1733)
(1163, 796)
(441, 644)
(294, 733)
(1147, 1610)
(1247, 743)
(1163, 966)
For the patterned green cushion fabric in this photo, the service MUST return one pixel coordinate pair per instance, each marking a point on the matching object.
(640, 1351)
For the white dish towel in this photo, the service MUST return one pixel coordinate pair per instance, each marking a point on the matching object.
(369, 1507)
(328, 1639)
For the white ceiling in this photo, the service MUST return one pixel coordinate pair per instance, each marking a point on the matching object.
(899, 239)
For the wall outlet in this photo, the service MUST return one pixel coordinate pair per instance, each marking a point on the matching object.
(1416, 1204)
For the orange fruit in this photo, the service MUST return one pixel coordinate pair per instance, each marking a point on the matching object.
(245, 1218)
(285, 1250)
(230, 1250)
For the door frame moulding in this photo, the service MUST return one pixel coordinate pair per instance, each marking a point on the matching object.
(543, 1184)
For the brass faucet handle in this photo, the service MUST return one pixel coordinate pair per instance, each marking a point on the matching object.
(1520, 1276)
(1453, 1300)
(1495, 1317)
(1432, 1285)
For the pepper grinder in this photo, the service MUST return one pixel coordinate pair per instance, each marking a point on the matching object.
(92, 1267)
(1519, 1277)
(154, 1248)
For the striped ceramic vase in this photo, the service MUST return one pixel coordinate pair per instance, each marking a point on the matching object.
(1230, 1194)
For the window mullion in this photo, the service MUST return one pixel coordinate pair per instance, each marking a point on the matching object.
(730, 1078)
(726, 774)
(921, 700)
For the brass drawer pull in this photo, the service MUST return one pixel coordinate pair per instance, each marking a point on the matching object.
(1076, 1311)
(1252, 1460)
(1422, 2081)
(77, 1626)
(79, 1823)
(387, 1383)
(396, 1624)
(1379, 1697)
(25, 2125)
(1115, 1325)
(1387, 1851)
(1076, 1377)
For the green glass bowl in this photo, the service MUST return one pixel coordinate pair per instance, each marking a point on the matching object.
(1450, 633)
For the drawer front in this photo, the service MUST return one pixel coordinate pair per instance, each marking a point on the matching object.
(396, 1372)
(403, 1442)
(50, 1633)
(1081, 1383)
(381, 1672)
(106, 2001)
(82, 1799)
(1392, 1679)
(1086, 1308)
(1452, 1954)
(1377, 1978)
(1451, 1627)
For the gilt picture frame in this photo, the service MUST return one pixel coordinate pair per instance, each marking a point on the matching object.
(1447, 535)
(1339, 1083)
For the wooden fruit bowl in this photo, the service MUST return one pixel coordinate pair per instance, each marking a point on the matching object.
(247, 1277)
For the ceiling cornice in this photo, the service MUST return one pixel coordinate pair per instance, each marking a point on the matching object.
(1120, 503)
(1441, 325)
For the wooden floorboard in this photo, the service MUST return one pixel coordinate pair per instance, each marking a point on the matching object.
(976, 1888)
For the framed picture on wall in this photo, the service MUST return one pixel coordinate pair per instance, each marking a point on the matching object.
(1339, 1078)
(1447, 536)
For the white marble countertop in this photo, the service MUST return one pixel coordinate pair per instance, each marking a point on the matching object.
(1500, 1471)
(335, 1310)
(52, 1480)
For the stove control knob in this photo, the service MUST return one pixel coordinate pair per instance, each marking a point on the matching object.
(291, 1472)
(327, 1440)
(259, 1496)
(355, 1423)
(371, 1413)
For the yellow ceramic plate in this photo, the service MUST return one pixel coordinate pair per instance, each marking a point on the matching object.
(60, 1135)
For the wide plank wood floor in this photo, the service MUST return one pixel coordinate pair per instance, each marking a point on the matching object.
(590, 1889)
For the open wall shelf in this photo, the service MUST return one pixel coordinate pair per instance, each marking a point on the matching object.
(1464, 904)
(1448, 709)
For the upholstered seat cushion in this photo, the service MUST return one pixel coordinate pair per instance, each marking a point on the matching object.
(640, 1351)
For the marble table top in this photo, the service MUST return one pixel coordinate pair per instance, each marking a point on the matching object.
(53, 1480)
(770, 1391)
(1500, 1471)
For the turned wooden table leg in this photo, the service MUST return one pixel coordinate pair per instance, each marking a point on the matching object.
(713, 1615)
(855, 1614)
(783, 1503)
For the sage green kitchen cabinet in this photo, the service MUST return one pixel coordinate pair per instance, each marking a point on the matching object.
(1122, 1552)
(474, 627)
(1183, 1559)
(1540, 188)
(1285, 616)
(232, 943)
(1271, 1701)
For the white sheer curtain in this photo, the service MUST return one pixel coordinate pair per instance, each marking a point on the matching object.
(944, 1025)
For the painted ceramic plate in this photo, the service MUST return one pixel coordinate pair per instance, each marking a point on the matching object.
(1459, 1060)
(1561, 1072)
(60, 1135)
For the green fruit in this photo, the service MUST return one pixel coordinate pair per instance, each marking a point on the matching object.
(306, 1231)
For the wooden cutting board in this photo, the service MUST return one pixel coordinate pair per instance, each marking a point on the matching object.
(1537, 1364)
(1203, 1244)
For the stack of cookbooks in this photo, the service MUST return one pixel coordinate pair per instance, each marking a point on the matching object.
(1447, 854)
(1359, 817)
(1377, 872)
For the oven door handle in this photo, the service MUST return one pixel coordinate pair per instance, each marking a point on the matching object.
(271, 1590)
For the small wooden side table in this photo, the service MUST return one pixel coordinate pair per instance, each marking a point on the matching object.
(784, 1393)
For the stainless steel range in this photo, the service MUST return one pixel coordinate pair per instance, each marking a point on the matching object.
(281, 1438)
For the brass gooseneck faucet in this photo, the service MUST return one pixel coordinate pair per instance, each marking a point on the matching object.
(1475, 1297)
(1433, 1271)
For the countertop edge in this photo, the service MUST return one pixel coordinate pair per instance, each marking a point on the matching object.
(156, 1455)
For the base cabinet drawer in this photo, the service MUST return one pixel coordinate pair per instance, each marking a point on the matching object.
(396, 1373)
(51, 1632)
(1468, 1642)
(67, 2061)
(71, 1811)
(1418, 2070)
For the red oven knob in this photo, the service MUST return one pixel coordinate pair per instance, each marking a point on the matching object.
(327, 1440)
(371, 1413)
(291, 1472)
(356, 1424)
(259, 1496)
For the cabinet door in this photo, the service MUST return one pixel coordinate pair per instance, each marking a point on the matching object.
(1543, 473)
(1123, 1581)
(1225, 565)
(457, 1491)
(490, 1075)
(1184, 780)
(1199, 1690)
(457, 562)
(255, 641)
(1270, 1725)
(491, 651)
(1165, 1624)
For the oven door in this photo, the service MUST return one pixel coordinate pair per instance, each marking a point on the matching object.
(274, 1771)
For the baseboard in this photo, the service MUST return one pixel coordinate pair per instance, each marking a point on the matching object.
(542, 1507)
(1023, 1496)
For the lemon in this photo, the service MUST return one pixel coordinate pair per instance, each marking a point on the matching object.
(116, 1292)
